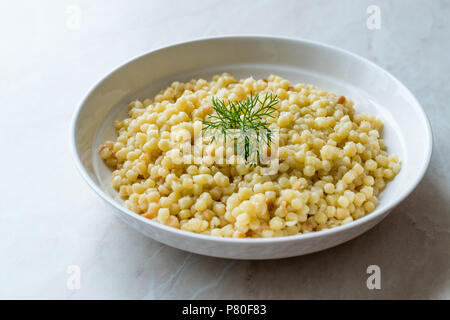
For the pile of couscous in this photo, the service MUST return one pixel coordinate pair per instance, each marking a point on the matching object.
(332, 162)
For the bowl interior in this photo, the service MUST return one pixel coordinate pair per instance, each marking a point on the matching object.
(406, 131)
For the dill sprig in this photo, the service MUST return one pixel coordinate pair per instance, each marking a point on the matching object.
(246, 115)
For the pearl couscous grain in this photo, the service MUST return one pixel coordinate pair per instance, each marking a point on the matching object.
(333, 163)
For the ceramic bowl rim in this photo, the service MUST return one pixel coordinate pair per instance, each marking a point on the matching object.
(323, 233)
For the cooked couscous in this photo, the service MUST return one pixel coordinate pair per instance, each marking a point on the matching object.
(332, 162)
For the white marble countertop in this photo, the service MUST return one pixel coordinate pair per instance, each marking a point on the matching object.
(54, 51)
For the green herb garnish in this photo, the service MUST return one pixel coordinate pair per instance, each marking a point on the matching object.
(248, 116)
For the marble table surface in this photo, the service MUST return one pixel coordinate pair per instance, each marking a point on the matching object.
(53, 227)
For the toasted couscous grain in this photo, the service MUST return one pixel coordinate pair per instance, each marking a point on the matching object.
(333, 163)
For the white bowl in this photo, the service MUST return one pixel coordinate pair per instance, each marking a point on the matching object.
(406, 132)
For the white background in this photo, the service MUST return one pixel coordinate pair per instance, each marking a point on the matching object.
(50, 219)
